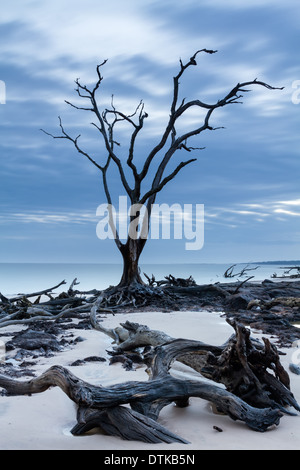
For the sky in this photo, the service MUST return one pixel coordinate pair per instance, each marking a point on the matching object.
(247, 175)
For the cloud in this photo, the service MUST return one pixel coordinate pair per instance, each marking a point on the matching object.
(43, 217)
(287, 212)
(246, 5)
(231, 215)
(261, 212)
(292, 202)
(55, 29)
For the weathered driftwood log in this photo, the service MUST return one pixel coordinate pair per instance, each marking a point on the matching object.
(130, 335)
(100, 406)
(243, 367)
(67, 307)
(33, 294)
(170, 281)
(213, 290)
(241, 364)
(125, 423)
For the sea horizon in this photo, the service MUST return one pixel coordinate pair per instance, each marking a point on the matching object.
(16, 278)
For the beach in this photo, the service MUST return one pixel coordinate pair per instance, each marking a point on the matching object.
(43, 421)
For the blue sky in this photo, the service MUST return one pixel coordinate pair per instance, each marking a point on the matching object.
(248, 175)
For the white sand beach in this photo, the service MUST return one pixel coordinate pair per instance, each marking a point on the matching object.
(43, 421)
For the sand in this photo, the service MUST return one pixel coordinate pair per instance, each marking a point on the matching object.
(43, 421)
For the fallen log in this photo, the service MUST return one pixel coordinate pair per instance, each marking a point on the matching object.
(36, 294)
(250, 369)
(146, 400)
(213, 290)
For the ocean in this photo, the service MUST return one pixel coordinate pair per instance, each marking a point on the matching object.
(24, 278)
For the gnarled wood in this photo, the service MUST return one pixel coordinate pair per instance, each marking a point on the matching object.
(102, 406)
(146, 397)
(241, 364)
(125, 423)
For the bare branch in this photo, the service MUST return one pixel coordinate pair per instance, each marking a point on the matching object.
(192, 61)
(100, 78)
(180, 142)
(157, 188)
(189, 149)
(78, 107)
(75, 142)
(123, 116)
(107, 137)
(173, 116)
(109, 207)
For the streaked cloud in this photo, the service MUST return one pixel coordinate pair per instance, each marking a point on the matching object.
(44, 217)
(261, 212)
(247, 5)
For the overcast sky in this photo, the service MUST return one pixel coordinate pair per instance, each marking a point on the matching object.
(248, 175)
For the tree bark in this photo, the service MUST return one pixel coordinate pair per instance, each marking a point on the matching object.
(146, 400)
(249, 369)
(131, 252)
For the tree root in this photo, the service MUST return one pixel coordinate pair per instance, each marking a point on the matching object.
(250, 369)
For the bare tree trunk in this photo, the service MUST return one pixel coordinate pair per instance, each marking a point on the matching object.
(131, 252)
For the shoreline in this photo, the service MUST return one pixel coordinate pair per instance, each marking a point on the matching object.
(27, 277)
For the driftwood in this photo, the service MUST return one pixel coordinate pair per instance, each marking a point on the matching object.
(102, 406)
(22, 297)
(272, 307)
(229, 271)
(73, 303)
(287, 273)
(170, 280)
(241, 364)
(257, 389)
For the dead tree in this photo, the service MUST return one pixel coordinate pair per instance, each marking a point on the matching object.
(106, 122)
(243, 272)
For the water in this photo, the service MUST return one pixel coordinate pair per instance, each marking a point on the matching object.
(16, 278)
